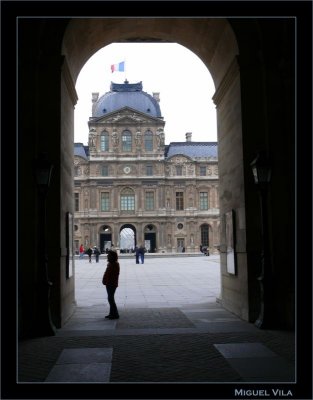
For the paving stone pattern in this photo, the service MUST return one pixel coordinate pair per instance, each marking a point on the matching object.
(179, 334)
(154, 318)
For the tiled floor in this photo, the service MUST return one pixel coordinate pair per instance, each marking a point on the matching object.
(82, 365)
(168, 316)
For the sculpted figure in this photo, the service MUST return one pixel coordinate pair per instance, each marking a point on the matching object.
(92, 140)
(114, 138)
(160, 137)
(138, 138)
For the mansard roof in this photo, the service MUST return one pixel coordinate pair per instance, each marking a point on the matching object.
(126, 95)
(189, 149)
(192, 149)
(81, 150)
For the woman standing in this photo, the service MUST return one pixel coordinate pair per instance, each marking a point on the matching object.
(81, 251)
(110, 280)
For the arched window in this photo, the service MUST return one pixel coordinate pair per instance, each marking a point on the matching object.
(127, 141)
(127, 200)
(148, 141)
(104, 141)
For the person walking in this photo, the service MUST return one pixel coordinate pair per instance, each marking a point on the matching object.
(137, 254)
(89, 252)
(110, 280)
(96, 252)
(141, 252)
(81, 251)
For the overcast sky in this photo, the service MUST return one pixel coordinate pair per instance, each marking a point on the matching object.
(183, 81)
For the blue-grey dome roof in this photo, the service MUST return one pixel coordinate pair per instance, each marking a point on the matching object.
(126, 95)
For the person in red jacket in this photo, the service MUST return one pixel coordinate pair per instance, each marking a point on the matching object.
(81, 251)
(110, 280)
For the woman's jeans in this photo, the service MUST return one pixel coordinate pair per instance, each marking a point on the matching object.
(113, 309)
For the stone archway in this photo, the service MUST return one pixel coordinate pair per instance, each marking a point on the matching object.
(219, 54)
(254, 83)
(127, 238)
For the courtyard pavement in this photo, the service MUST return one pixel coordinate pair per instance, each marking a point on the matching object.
(172, 329)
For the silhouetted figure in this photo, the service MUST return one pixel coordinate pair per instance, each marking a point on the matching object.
(141, 252)
(96, 252)
(89, 252)
(110, 280)
(137, 254)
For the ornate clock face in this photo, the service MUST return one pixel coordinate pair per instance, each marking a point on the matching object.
(126, 170)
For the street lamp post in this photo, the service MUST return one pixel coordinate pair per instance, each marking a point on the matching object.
(262, 175)
(45, 326)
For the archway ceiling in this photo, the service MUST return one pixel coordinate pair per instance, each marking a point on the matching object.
(211, 39)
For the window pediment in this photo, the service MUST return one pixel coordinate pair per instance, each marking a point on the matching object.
(126, 116)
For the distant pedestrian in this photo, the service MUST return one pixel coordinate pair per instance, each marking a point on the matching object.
(137, 254)
(110, 280)
(81, 251)
(141, 252)
(96, 252)
(89, 252)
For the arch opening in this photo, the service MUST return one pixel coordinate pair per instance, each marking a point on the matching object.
(127, 239)
(221, 63)
(255, 84)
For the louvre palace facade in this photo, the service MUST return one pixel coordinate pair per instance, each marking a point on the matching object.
(128, 180)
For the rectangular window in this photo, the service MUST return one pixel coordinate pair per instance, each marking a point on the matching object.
(179, 200)
(149, 170)
(149, 200)
(204, 201)
(179, 170)
(76, 201)
(104, 170)
(104, 142)
(105, 201)
(127, 141)
(203, 171)
(148, 141)
(127, 203)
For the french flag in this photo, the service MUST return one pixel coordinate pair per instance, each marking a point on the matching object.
(118, 67)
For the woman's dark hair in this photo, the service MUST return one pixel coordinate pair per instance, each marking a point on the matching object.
(112, 255)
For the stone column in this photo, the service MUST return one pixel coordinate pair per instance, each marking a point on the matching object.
(115, 235)
(140, 235)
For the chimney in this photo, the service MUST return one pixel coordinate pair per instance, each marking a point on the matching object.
(156, 97)
(188, 136)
